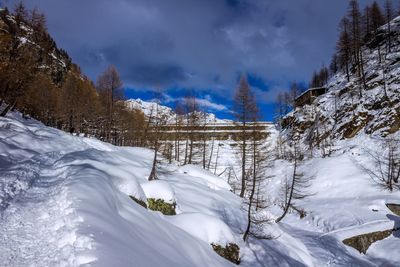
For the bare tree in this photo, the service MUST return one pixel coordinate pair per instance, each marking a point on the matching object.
(356, 37)
(109, 87)
(191, 111)
(343, 47)
(158, 120)
(245, 109)
(366, 22)
(179, 113)
(204, 138)
(389, 17)
(254, 200)
(377, 20)
(386, 169)
(334, 66)
(296, 189)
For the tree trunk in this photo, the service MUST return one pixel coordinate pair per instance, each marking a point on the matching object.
(204, 152)
(253, 189)
(6, 110)
(211, 153)
(242, 189)
(291, 189)
(153, 173)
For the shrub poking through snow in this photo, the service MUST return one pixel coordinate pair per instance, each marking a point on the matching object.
(162, 206)
(140, 202)
(229, 252)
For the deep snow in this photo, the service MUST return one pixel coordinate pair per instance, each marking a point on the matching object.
(64, 201)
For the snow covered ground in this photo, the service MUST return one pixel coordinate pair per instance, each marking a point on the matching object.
(64, 201)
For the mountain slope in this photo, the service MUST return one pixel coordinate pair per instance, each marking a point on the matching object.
(342, 113)
(149, 109)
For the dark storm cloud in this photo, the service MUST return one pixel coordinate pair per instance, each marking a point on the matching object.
(196, 43)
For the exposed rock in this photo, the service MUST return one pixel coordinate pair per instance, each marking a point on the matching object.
(395, 208)
(364, 241)
(229, 252)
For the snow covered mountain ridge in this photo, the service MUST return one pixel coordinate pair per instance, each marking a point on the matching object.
(149, 109)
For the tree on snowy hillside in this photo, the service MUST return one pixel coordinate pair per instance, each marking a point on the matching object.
(245, 108)
(157, 120)
(343, 47)
(254, 200)
(377, 20)
(389, 17)
(204, 138)
(356, 37)
(386, 169)
(17, 69)
(179, 117)
(320, 78)
(109, 87)
(297, 187)
(191, 114)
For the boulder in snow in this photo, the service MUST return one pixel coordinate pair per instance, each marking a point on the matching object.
(159, 190)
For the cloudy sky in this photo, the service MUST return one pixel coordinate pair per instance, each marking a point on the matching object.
(198, 45)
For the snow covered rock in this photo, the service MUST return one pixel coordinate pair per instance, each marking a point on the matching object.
(159, 190)
(211, 230)
(363, 242)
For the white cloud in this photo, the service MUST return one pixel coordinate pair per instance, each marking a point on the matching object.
(205, 102)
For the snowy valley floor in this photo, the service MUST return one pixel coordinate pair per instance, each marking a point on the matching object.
(64, 201)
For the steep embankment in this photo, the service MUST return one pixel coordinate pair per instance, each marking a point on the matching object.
(32, 47)
(342, 135)
(342, 112)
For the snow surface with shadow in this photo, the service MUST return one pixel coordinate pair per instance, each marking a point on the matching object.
(64, 201)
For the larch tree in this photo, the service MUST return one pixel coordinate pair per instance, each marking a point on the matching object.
(343, 47)
(377, 20)
(366, 22)
(334, 65)
(389, 17)
(109, 87)
(157, 121)
(297, 187)
(179, 114)
(254, 200)
(191, 114)
(245, 108)
(356, 37)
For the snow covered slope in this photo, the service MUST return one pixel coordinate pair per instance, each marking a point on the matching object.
(64, 202)
(342, 113)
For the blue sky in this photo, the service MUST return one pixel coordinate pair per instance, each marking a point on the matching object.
(198, 45)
